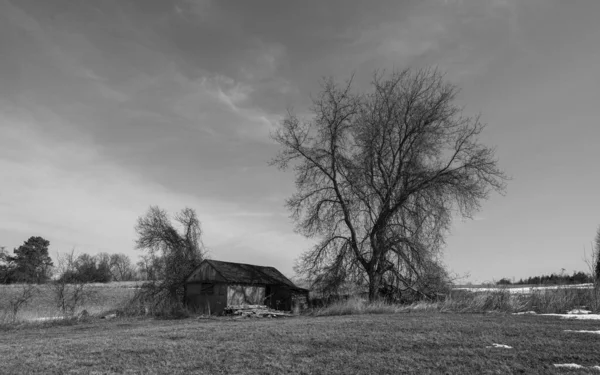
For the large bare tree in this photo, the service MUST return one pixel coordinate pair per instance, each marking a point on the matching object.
(175, 252)
(379, 176)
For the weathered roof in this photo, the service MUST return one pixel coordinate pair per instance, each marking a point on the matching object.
(250, 274)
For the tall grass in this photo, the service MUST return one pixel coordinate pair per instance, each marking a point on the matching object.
(462, 301)
(539, 300)
(357, 305)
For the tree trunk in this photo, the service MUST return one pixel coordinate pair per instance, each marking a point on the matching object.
(374, 284)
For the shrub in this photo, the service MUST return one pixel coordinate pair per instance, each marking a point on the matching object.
(16, 302)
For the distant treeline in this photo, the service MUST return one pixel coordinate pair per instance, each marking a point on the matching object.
(31, 263)
(553, 279)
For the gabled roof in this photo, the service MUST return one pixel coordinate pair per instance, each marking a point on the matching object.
(250, 274)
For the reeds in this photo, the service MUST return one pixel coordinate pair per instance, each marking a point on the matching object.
(541, 301)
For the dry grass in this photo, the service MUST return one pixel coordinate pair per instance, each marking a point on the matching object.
(355, 305)
(416, 342)
(102, 298)
(463, 301)
(541, 301)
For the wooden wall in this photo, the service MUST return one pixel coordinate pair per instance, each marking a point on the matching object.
(206, 298)
(245, 294)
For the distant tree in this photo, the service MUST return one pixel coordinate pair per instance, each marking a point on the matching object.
(7, 266)
(504, 281)
(32, 263)
(144, 268)
(171, 253)
(596, 251)
(87, 268)
(121, 268)
(380, 175)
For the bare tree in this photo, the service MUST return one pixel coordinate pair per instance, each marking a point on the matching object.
(18, 300)
(596, 257)
(177, 252)
(147, 267)
(121, 268)
(69, 293)
(380, 175)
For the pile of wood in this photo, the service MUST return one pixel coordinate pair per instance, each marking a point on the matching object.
(254, 311)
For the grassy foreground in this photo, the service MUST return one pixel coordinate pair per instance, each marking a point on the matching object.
(417, 342)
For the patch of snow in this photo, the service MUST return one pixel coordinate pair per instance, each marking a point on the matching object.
(575, 365)
(502, 346)
(47, 318)
(585, 315)
(568, 365)
(579, 312)
(527, 289)
(583, 331)
(574, 316)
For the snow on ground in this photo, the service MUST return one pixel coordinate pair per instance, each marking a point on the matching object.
(502, 346)
(579, 311)
(575, 365)
(47, 318)
(527, 289)
(568, 365)
(578, 314)
(582, 331)
(573, 316)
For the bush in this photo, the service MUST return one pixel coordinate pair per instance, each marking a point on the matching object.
(16, 302)
(356, 305)
(154, 300)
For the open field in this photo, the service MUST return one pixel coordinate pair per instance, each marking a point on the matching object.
(111, 296)
(423, 343)
(102, 297)
(522, 289)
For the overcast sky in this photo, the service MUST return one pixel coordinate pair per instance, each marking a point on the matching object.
(108, 107)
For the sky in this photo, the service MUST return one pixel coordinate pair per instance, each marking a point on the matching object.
(108, 107)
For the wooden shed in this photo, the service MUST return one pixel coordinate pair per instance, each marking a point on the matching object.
(214, 285)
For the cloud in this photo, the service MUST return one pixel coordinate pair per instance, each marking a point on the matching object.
(68, 192)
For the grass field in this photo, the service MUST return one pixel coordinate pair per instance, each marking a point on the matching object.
(101, 297)
(423, 343)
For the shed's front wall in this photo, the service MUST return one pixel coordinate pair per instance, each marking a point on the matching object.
(206, 298)
(245, 294)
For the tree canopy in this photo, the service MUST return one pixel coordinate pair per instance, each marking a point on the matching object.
(30, 262)
(379, 176)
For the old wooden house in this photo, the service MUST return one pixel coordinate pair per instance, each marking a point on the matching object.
(215, 285)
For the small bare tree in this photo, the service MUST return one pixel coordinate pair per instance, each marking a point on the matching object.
(593, 263)
(69, 294)
(20, 299)
(596, 259)
(380, 175)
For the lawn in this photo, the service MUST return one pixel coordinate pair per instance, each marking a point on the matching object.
(416, 342)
